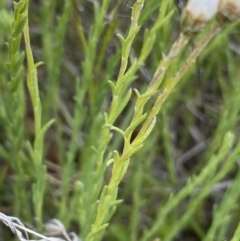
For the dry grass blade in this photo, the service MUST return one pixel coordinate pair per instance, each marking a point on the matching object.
(53, 227)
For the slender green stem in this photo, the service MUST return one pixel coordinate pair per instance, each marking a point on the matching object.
(174, 81)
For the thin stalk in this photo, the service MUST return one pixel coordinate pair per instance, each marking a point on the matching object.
(175, 80)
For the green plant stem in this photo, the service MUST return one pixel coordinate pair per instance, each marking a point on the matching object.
(121, 81)
(174, 81)
(32, 81)
(158, 76)
(206, 174)
(236, 234)
(108, 196)
(36, 152)
(79, 25)
(205, 191)
(15, 98)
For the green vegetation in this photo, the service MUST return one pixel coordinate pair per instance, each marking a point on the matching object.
(118, 124)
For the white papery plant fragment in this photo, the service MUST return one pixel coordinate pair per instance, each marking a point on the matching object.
(230, 9)
(197, 14)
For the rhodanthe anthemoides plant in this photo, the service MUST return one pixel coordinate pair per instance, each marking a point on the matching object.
(201, 18)
(195, 17)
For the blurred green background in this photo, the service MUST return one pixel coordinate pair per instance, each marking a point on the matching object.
(80, 54)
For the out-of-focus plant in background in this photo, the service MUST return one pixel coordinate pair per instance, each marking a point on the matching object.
(120, 119)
